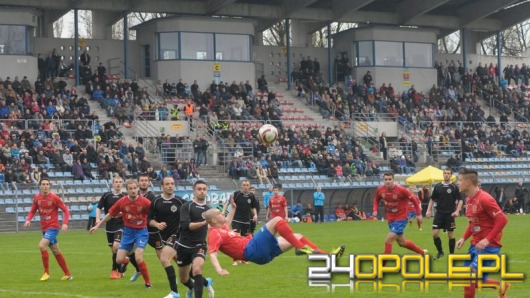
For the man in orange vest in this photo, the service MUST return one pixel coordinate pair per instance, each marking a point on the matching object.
(189, 108)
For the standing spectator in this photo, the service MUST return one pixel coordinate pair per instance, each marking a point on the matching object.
(520, 194)
(85, 59)
(318, 202)
(383, 146)
(266, 197)
(500, 196)
(48, 205)
(486, 222)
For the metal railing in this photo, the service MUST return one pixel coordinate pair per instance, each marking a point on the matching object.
(142, 127)
(171, 152)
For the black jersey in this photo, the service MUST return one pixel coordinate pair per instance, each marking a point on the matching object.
(446, 197)
(106, 201)
(244, 203)
(151, 197)
(168, 211)
(189, 213)
(254, 204)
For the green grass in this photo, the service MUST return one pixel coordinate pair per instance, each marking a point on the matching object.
(89, 260)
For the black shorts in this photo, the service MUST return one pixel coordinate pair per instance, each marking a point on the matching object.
(185, 256)
(114, 236)
(155, 240)
(443, 221)
(241, 228)
(172, 241)
(252, 226)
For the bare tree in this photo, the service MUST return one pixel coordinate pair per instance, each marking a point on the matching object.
(134, 19)
(275, 35)
(320, 37)
(514, 41)
(450, 44)
(85, 23)
(58, 28)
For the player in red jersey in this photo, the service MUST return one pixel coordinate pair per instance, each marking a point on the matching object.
(48, 205)
(396, 199)
(134, 210)
(486, 221)
(411, 209)
(261, 248)
(277, 204)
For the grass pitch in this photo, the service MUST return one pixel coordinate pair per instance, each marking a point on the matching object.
(89, 260)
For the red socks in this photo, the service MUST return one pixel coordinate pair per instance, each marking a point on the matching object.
(411, 246)
(469, 292)
(388, 248)
(62, 263)
(308, 242)
(45, 260)
(286, 232)
(145, 273)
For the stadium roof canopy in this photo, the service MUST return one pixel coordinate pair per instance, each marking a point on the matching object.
(488, 16)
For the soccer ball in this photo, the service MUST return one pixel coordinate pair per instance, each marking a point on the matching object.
(296, 219)
(268, 134)
(89, 208)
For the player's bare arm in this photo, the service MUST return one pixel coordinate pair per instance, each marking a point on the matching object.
(458, 208)
(104, 220)
(159, 225)
(429, 208)
(217, 265)
(197, 225)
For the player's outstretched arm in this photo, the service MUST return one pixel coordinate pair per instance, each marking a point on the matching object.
(217, 265)
(104, 220)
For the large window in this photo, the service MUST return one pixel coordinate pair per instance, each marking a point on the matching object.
(168, 45)
(388, 53)
(364, 53)
(15, 40)
(418, 55)
(232, 47)
(197, 46)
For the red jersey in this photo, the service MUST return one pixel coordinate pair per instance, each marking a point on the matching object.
(227, 241)
(396, 202)
(411, 207)
(339, 212)
(277, 206)
(134, 213)
(48, 206)
(486, 219)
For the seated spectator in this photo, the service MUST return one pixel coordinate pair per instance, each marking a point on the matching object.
(403, 166)
(77, 171)
(339, 213)
(296, 210)
(87, 169)
(262, 175)
(103, 169)
(308, 214)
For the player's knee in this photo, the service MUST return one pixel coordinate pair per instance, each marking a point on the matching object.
(298, 235)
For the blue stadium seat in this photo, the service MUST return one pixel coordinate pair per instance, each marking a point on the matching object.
(10, 209)
(76, 217)
(84, 216)
(2, 202)
(213, 187)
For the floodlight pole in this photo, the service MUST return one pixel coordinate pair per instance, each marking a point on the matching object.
(125, 47)
(330, 65)
(463, 39)
(76, 46)
(499, 49)
(288, 52)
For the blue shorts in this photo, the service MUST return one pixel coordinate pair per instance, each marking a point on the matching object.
(412, 214)
(51, 235)
(473, 263)
(262, 248)
(398, 226)
(131, 237)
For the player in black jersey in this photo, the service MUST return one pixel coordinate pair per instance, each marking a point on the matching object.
(164, 215)
(246, 209)
(191, 251)
(448, 204)
(114, 226)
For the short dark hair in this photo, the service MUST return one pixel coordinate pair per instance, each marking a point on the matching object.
(470, 174)
(388, 174)
(199, 182)
(44, 179)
